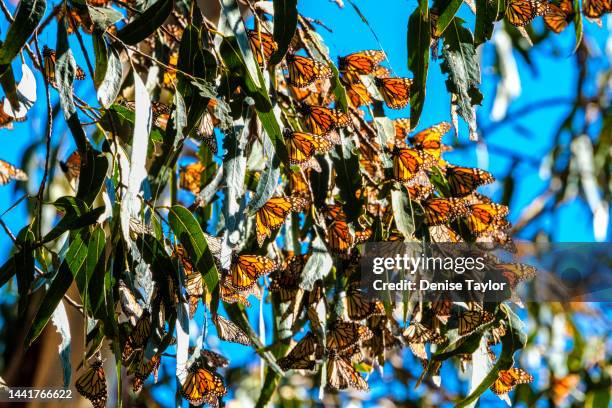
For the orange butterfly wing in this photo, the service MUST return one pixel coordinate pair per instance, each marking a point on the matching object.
(395, 91)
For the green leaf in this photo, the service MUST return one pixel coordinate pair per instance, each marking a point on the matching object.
(317, 266)
(103, 17)
(70, 267)
(65, 68)
(230, 52)
(285, 23)
(24, 264)
(462, 67)
(155, 255)
(199, 63)
(29, 14)
(7, 80)
(95, 272)
(487, 13)
(92, 175)
(577, 24)
(188, 231)
(348, 179)
(402, 213)
(77, 215)
(269, 177)
(101, 54)
(113, 75)
(146, 23)
(419, 37)
(449, 10)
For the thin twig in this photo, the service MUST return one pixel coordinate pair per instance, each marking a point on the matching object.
(48, 132)
(83, 50)
(155, 60)
(9, 233)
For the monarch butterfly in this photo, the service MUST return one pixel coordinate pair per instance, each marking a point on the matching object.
(402, 128)
(9, 172)
(262, 45)
(302, 356)
(286, 283)
(381, 72)
(383, 338)
(202, 385)
(170, 73)
(160, 111)
(302, 146)
(49, 58)
(339, 237)
(508, 379)
(304, 71)
(596, 8)
(520, 12)
(298, 185)
(229, 295)
(92, 385)
(470, 320)
(515, 272)
(142, 368)
(341, 374)
(557, 17)
(6, 121)
(206, 132)
(442, 309)
(139, 335)
(358, 308)
(214, 359)
(357, 94)
(416, 332)
(561, 388)
(193, 280)
(190, 177)
(78, 17)
(464, 180)
(408, 162)
(246, 269)
(419, 190)
(441, 210)
(321, 120)
(360, 63)
(443, 233)
(430, 140)
(395, 91)
(272, 214)
(483, 217)
(315, 94)
(72, 166)
(343, 335)
(229, 331)
(129, 305)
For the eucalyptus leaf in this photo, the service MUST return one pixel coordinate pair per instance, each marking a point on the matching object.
(29, 13)
(461, 65)
(146, 23)
(419, 38)
(285, 23)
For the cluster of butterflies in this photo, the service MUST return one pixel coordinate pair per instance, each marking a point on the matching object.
(445, 198)
(557, 15)
(451, 211)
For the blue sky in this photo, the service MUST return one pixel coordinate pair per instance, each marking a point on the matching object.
(389, 21)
